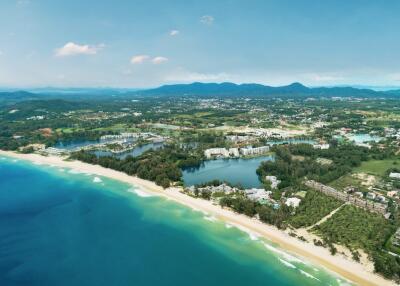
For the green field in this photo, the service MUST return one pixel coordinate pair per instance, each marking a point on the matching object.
(377, 167)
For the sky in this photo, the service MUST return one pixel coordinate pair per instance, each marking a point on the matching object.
(139, 44)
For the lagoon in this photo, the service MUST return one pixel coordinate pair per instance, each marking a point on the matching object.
(235, 171)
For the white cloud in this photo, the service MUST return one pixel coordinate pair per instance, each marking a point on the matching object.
(173, 32)
(139, 59)
(207, 19)
(182, 75)
(72, 49)
(324, 77)
(159, 60)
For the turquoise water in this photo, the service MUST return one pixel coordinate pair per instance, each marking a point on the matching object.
(235, 171)
(60, 227)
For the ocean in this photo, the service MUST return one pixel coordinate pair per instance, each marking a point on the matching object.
(62, 227)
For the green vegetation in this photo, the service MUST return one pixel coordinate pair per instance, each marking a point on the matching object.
(161, 166)
(313, 208)
(377, 167)
(266, 213)
(356, 228)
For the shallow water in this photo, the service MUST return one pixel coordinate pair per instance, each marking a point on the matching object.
(62, 227)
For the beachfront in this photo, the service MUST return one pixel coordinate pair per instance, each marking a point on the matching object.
(348, 269)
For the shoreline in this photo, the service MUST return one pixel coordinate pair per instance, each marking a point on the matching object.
(348, 269)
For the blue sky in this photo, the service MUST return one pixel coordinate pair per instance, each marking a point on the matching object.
(148, 43)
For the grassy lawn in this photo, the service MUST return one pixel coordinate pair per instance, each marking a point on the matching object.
(347, 180)
(377, 167)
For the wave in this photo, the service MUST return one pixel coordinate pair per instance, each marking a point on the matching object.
(97, 180)
(288, 264)
(227, 225)
(140, 192)
(284, 254)
(210, 218)
(308, 275)
(74, 171)
(253, 235)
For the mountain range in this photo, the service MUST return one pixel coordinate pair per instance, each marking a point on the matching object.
(225, 89)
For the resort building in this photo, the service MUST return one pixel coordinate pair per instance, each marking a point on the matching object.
(293, 202)
(394, 175)
(355, 200)
(274, 181)
(249, 151)
(396, 237)
(321, 146)
(257, 194)
(216, 153)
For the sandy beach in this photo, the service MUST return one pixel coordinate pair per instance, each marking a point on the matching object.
(348, 269)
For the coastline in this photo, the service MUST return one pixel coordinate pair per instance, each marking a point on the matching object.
(346, 268)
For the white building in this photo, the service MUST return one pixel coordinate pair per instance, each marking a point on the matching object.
(216, 152)
(293, 202)
(249, 151)
(257, 194)
(394, 175)
(321, 146)
(274, 181)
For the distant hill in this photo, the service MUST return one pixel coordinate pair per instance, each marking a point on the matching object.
(15, 96)
(226, 89)
(232, 89)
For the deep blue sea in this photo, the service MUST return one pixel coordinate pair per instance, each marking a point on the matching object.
(61, 227)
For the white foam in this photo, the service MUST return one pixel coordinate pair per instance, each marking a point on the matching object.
(140, 192)
(227, 225)
(253, 235)
(3, 158)
(284, 254)
(288, 264)
(15, 160)
(308, 275)
(74, 171)
(37, 163)
(97, 180)
(61, 170)
(210, 218)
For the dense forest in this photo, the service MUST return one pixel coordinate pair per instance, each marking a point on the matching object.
(295, 162)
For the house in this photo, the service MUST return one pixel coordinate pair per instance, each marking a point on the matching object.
(380, 198)
(321, 146)
(371, 196)
(293, 202)
(394, 175)
(392, 194)
(396, 237)
(359, 194)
